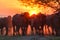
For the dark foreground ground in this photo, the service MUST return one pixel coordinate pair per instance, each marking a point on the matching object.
(29, 38)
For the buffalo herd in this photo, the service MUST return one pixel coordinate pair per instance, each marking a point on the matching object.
(35, 21)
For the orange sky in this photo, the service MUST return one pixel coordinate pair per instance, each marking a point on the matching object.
(11, 7)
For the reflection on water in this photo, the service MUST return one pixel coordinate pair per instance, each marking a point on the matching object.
(47, 30)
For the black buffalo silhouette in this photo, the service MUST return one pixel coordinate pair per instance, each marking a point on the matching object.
(5, 22)
(54, 21)
(38, 21)
(20, 20)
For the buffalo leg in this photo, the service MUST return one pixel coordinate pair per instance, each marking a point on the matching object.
(42, 29)
(32, 30)
(14, 31)
(17, 30)
(6, 30)
(37, 30)
(1, 31)
(25, 30)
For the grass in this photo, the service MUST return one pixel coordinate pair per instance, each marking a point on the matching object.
(29, 38)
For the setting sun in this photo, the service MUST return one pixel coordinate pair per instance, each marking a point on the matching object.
(33, 12)
(35, 8)
(19, 6)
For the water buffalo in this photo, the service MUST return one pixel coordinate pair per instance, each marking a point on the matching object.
(42, 20)
(56, 23)
(5, 22)
(1, 24)
(20, 20)
(49, 22)
(38, 20)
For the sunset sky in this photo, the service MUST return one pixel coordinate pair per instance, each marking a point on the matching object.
(11, 7)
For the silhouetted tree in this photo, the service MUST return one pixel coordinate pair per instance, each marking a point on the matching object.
(9, 24)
